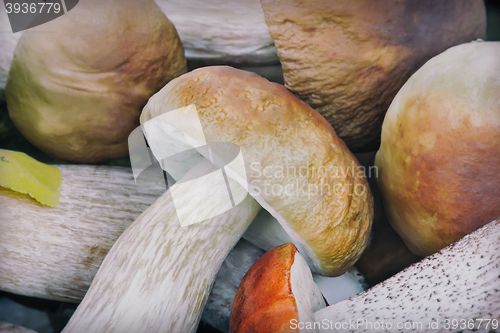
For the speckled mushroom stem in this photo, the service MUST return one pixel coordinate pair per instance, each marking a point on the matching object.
(460, 282)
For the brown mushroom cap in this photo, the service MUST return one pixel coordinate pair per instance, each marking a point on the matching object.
(349, 58)
(439, 161)
(310, 181)
(167, 268)
(77, 84)
(268, 300)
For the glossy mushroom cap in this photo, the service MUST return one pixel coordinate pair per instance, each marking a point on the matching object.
(276, 293)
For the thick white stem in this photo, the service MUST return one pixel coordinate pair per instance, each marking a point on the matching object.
(157, 276)
(222, 31)
(8, 40)
(460, 282)
(54, 253)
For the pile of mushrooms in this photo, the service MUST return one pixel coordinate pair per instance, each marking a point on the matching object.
(129, 256)
(157, 275)
(77, 102)
(62, 249)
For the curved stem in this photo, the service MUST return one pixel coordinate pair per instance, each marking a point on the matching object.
(157, 276)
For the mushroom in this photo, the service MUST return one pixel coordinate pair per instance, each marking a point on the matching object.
(238, 262)
(348, 59)
(385, 255)
(439, 161)
(75, 90)
(277, 290)
(219, 31)
(62, 249)
(157, 275)
(460, 282)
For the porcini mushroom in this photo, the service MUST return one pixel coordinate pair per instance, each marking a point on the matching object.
(75, 89)
(461, 281)
(157, 276)
(61, 249)
(348, 59)
(276, 291)
(439, 161)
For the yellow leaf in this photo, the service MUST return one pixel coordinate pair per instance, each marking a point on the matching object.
(21, 173)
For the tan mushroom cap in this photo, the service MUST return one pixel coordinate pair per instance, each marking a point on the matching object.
(348, 59)
(439, 161)
(77, 84)
(304, 172)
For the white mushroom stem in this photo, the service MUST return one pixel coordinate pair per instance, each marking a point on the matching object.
(222, 31)
(8, 40)
(53, 253)
(460, 282)
(157, 276)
